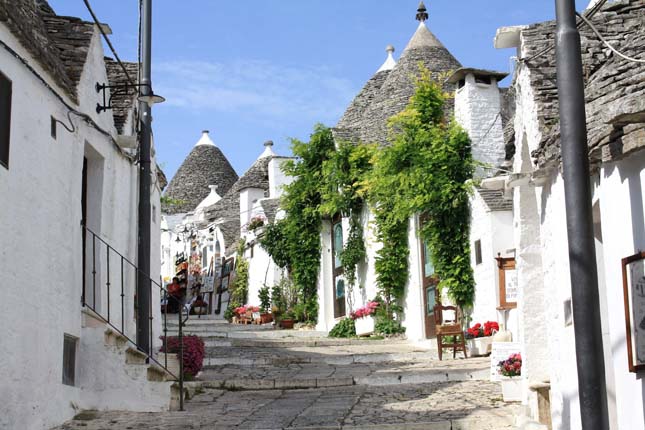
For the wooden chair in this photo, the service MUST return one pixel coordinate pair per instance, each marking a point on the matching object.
(450, 326)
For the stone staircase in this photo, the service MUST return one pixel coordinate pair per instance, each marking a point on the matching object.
(132, 380)
(260, 357)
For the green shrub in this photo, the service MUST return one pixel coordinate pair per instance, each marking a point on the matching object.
(386, 326)
(344, 328)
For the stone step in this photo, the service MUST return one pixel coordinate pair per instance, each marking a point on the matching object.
(314, 376)
(290, 343)
(335, 359)
(262, 334)
(219, 325)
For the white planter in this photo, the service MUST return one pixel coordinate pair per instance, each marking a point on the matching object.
(364, 326)
(479, 345)
(512, 389)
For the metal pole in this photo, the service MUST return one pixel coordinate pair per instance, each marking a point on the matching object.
(143, 299)
(582, 252)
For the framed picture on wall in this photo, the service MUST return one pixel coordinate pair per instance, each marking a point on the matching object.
(507, 276)
(634, 292)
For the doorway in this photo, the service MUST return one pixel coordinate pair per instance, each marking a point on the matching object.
(339, 280)
(92, 250)
(429, 285)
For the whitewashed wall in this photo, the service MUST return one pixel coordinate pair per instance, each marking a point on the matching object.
(41, 260)
(495, 231)
(477, 109)
(621, 197)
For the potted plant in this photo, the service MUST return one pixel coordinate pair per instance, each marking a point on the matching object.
(199, 306)
(364, 319)
(511, 369)
(255, 223)
(288, 320)
(265, 305)
(479, 338)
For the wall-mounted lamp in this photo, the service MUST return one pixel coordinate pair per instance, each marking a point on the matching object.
(125, 90)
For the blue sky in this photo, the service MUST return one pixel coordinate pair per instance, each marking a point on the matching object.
(255, 70)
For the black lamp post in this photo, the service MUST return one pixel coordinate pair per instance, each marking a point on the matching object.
(582, 251)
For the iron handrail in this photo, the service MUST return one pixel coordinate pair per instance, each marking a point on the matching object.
(163, 293)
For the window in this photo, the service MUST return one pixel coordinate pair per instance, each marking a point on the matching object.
(69, 359)
(5, 119)
(480, 79)
(339, 281)
(52, 127)
(462, 83)
(478, 252)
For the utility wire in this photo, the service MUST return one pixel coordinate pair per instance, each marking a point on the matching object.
(60, 98)
(551, 46)
(109, 43)
(603, 40)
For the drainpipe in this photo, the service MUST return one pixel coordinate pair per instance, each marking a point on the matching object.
(143, 280)
(577, 189)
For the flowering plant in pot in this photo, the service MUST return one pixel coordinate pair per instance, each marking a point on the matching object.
(193, 353)
(255, 223)
(511, 386)
(479, 337)
(363, 319)
(199, 306)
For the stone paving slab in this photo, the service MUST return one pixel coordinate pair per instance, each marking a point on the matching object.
(463, 405)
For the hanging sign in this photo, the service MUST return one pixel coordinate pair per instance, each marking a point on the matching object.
(209, 284)
(634, 295)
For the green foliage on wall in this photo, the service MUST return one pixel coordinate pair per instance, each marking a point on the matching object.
(294, 242)
(239, 290)
(427, 169)
(345, 174)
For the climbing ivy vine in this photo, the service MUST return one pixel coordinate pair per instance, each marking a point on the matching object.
(294, 242)
(427, 169)
(240, 287)
(345, 173)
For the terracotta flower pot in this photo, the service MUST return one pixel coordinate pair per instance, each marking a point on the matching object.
(266, 318)
(287, 324)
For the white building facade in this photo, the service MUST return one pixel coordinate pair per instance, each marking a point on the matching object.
(62, 165)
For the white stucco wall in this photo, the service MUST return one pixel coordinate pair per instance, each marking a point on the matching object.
(495, 231)
(622, 196)
(40, 220)
(477, 109)
(277, 178)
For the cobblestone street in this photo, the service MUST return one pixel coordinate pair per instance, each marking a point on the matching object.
(268, 379)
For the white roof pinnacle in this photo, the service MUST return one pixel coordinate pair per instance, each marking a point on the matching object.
(268, 150)
(390, 62)
(210, 200)
(205, 139)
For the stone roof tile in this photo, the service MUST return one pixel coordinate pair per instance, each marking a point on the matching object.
(614, 87)
(205, 165)
(24, 20)
(122, 104)
(494, 200)
(71, 37)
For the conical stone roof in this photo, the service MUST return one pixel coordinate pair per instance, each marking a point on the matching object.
(395, 93)
(389, 91)
(349, 126)
(227, 210)
(205, 165)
